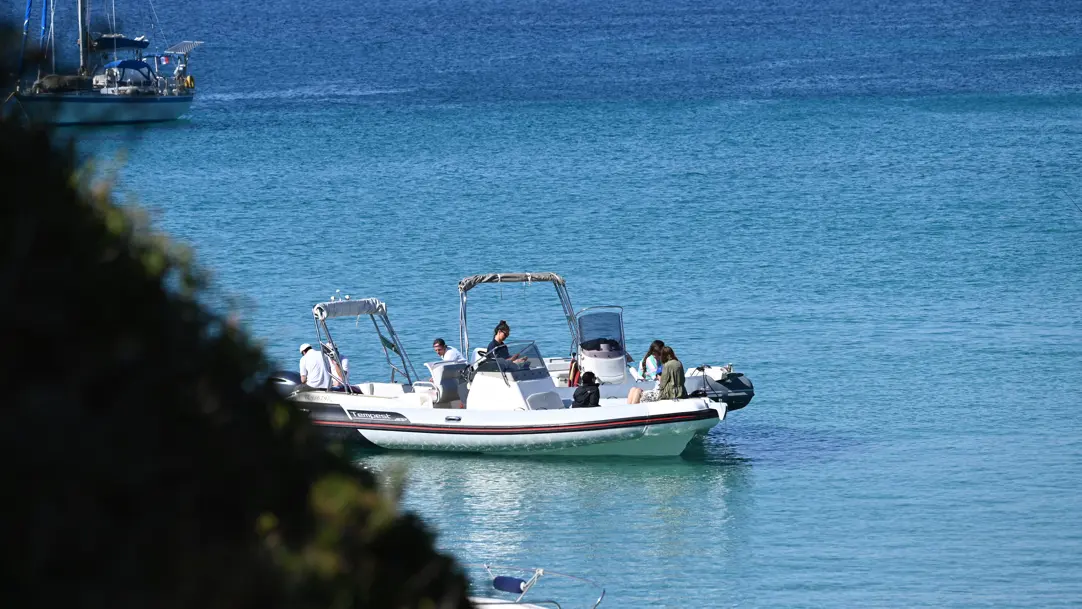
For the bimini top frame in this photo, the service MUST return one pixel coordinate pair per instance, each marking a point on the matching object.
(468, 283)
(377, 311)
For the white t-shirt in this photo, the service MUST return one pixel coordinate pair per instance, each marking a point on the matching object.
(315, 369)
(453, 355)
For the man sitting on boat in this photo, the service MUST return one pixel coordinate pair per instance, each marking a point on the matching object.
(314, 369)
(448, 354)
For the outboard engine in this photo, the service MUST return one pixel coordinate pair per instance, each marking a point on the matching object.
(285, 381)
(720, 384)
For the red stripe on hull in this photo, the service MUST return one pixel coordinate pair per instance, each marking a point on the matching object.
(420, 428)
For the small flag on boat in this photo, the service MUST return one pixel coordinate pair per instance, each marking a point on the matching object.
(165, 59)
(388, 344)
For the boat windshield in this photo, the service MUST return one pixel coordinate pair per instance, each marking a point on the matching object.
(523, 362)
(601, 332)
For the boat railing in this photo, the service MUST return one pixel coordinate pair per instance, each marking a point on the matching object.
(503, 603)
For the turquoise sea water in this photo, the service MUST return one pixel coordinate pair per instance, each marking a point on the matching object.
(873, 211)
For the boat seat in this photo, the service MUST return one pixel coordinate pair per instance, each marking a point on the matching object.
(384, 390)
(445, 375)
(545, 400)
(557, 364)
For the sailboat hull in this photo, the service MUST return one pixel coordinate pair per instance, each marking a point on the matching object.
(98, 109)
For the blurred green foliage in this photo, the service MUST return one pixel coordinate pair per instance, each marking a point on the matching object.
(145, 463)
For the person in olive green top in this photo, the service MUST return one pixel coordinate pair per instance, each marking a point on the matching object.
(670, 383)
(672, 376)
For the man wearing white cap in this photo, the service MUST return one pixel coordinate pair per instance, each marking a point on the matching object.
(314, 370)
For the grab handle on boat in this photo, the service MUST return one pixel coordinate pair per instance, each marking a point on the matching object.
(452, 418)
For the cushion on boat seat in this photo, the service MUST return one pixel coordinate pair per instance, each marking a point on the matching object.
(445, 377)
(545, 400)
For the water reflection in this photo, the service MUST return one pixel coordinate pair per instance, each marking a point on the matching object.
(597, 517)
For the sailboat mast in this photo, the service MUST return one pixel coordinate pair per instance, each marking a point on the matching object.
(44, 25)
(43, 50)
(26, 30)
(84, 38)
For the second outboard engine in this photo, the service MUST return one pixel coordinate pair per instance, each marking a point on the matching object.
(720, 384)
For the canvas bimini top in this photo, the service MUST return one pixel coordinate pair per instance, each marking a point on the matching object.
(349, 308)
(465, 285)
(376, 309)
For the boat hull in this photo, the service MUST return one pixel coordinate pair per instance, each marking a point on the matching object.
(98, 109)
(654, 429)
(645, 439)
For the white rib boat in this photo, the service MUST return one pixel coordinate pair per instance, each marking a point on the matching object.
(493, 405)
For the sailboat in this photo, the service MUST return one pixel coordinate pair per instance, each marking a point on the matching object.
(116, 82)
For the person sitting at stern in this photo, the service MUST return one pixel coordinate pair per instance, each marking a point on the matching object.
(670, 382)
(588, 395)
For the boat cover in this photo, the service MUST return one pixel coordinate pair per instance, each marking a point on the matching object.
(349, 308)
(469, 283)
(116, 42)
(62, 83)
(129, 64)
